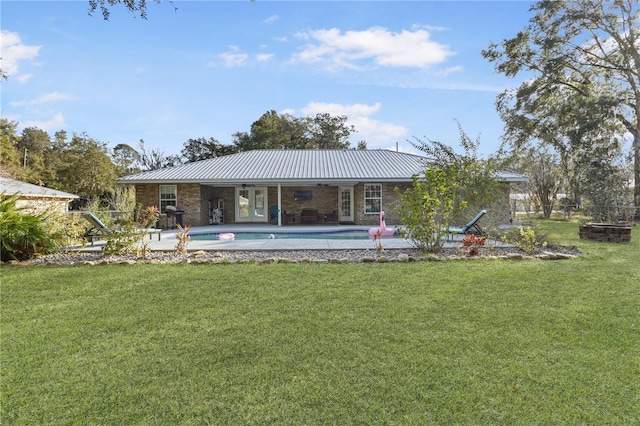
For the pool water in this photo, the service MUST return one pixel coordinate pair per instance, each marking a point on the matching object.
(324, 235)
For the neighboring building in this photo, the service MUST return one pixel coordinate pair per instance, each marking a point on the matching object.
(313, 186)
(37, 199)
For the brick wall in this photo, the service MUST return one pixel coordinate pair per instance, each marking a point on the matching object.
(389, 200)
(323, 198)
(188, 200)
(51, 206)
(194, 200)
(147, 194)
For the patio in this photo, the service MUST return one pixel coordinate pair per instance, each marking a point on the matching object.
(168, 239)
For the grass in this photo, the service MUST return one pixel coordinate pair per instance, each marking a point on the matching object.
(465, 342)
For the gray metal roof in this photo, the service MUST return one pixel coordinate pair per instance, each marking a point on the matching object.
(510, 176)
(291, 167)
(11, 187)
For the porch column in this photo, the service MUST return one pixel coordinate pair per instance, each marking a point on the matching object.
(279, 205)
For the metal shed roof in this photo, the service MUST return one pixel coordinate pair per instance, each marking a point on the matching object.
(11, 187)
(291, 166)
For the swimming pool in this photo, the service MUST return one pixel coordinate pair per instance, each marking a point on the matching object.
(317, 235)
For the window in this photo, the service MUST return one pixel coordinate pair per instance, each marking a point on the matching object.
(168, 197)
(372, 198)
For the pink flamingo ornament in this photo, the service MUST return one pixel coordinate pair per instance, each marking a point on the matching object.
(381, 231)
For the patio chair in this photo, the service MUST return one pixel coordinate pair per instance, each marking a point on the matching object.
(273, 214)
(470, 228)
(98, 228)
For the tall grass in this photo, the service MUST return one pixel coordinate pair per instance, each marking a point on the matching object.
(465, 342)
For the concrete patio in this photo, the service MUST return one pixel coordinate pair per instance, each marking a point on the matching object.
(168, 239)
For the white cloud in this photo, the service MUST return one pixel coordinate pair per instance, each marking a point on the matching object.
(271, 19)
(23, 78)
(375, 46)
(54, 124)
(448, 71)
(263, 57)
(313, 108)
(376, 133)
(13, 52)
(46, 98)
(234, 58)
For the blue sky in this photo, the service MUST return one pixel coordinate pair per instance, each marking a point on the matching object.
(397, 69)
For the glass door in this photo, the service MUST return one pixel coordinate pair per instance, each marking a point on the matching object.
(242, 205)
(259, 203)
(251, 205)
(345, 204)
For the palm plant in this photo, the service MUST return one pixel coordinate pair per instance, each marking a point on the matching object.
(22, 234)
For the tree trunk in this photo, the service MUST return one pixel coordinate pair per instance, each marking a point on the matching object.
(635, 148)
(636, 176)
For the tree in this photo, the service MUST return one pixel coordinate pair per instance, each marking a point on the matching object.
(545, 177)
(10, 165)
(134, 6)
(126, 159)
(33, 145)
(155, 159)
(202, 149)
(275, 131)
(477, 187)
(581, 45)
(86, 169)
(575, 127)
(606, 189)
(329, 132)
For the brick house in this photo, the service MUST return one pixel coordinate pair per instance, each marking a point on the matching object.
(304, 186)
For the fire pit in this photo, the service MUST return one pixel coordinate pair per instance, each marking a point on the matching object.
(606, 232)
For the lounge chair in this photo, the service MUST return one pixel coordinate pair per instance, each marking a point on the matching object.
(470, 228)
(98, 229)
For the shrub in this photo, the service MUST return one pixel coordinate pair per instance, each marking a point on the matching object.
(23, 235)
(472, 244)
(427, 208)
(183, 239)
(526, 239)
(129, 238)
(71, 228)
(148, 217)
(122, 241)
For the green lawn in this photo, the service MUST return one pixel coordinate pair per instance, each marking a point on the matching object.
(461, 342)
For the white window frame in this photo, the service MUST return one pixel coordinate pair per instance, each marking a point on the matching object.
(168, 201)
(368, 189)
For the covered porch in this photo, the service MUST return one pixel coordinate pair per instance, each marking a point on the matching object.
(288, 204)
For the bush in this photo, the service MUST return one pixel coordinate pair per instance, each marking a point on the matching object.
(23, 235)
(526, 239)
(130, 237)
(427, 208)
(70, 227)
(123, 241)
